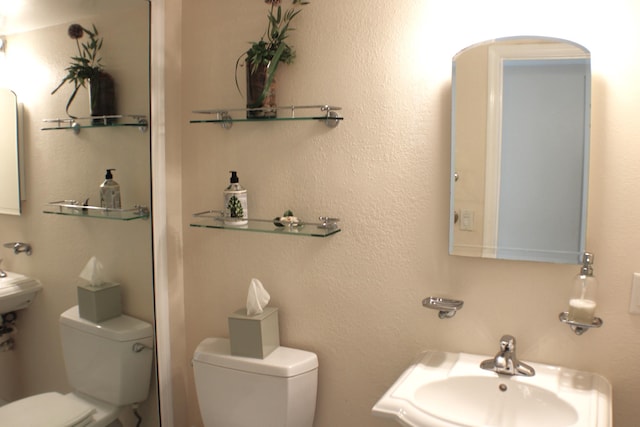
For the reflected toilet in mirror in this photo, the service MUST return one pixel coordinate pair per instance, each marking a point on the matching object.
(109, 367)
(520, 150)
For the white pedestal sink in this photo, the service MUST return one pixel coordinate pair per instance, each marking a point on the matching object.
(17, 292)
(450, 389)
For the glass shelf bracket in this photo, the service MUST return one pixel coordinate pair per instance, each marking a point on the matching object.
(77, 123)
(326, 226)
(224, 117)
(73, 208)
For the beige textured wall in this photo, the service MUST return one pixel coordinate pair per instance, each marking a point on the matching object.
(60, 165)
(354, 298)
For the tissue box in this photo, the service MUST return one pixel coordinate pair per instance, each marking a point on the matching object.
(99, 303)
(254, 336)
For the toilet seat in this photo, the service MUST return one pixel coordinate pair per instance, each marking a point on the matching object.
(47, 410)
(58, 410)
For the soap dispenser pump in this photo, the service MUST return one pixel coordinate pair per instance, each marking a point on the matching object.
(110, 192)
(582, 302)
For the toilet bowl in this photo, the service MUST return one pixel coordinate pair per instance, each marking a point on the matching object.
(108, 365)
(277, 391)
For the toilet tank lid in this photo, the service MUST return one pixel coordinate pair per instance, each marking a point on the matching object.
(282, 362)
(121, 328)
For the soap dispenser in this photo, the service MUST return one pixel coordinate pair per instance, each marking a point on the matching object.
(110, 192)
(235, 202)
(582, 302)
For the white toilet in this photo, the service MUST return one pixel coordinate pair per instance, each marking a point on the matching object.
(277, 391)
(108, 365)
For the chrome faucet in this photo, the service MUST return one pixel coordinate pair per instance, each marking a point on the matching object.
(505, 361)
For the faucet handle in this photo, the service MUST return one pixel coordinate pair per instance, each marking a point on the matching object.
(508, 343)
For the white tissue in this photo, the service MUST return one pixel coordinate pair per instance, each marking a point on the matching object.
(257, 298)
(93, 272)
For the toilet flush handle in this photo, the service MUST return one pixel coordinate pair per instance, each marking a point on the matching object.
(138, 347)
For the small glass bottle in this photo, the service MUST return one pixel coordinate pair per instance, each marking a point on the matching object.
(582, 302)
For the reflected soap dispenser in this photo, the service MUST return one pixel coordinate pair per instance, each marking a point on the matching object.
(110, 192)
(235, 202)
(582, 302)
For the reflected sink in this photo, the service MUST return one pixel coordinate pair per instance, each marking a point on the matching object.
(450, 389)
(17, 292)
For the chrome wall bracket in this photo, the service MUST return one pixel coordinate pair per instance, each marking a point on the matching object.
(447, 308)
(580, 328)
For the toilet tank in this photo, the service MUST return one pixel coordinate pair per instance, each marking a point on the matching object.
(277, 391)
(111, 360)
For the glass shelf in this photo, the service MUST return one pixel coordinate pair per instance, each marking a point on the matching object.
(73, 208)
(225, 117)
(75, 124)
(214, 219)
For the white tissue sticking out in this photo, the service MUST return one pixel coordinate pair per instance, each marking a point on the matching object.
(93, 272)
(257, 298)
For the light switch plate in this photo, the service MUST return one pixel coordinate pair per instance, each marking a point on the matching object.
(467, 220)
(634, 306)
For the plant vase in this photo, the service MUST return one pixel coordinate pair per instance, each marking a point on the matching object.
(102, 98)
(261, 102)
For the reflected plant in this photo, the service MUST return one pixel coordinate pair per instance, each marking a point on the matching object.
(84, 66)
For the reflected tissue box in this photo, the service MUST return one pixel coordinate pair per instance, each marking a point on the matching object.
(254, 336)
(99, 303)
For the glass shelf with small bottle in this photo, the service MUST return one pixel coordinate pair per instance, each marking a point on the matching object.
(74, 208)
(326, 226)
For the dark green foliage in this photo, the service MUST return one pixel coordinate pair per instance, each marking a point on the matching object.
(272, 47)
(87, 64)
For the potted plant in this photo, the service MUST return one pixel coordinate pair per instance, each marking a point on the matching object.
(264, 56)
(85, 70)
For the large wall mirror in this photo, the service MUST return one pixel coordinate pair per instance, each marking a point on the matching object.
(63, 165)
(520, 150)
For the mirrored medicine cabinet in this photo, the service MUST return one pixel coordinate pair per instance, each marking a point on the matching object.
(520, 150)
(10, 192)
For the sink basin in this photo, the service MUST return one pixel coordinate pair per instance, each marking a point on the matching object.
(450, 389)
(17, 292)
